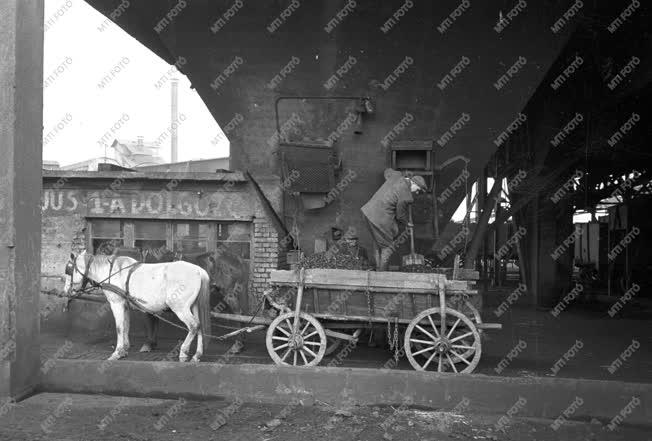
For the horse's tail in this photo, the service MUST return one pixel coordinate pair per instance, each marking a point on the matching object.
(204, 304)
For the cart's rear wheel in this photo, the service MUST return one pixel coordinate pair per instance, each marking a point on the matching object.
(305, 347)
(470, 311)
(455, 348)
(465, 307)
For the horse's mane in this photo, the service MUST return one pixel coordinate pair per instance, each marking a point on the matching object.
(104, 259)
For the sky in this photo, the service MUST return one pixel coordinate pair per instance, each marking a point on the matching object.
(77, 112)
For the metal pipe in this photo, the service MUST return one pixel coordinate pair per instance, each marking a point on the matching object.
(174, 89)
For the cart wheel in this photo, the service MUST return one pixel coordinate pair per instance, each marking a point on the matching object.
(458, 345)
(466, 308)
(472, 314)
(305, 348)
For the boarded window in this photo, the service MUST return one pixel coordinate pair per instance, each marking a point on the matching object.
(191, 237)
(106, 235)
(150, 235)
(235, 237)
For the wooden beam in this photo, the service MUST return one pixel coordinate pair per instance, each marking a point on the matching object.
(527, 197)
(483, 221)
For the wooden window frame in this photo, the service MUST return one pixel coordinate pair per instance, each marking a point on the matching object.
(90, 237)
(127, 231)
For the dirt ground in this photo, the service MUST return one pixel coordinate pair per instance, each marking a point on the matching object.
(543, 337)
(97, 417)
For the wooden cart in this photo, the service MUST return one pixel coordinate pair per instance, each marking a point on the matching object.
(318, 309)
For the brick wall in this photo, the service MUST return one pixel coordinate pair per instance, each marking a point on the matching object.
(268, 255)
(64, 225)
(60, 235)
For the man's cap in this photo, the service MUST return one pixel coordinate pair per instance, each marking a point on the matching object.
(421, 183)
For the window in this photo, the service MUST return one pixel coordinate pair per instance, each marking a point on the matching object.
(235, 237)
(150, 235)
(106, 235)
(185, 237)
(191, 237)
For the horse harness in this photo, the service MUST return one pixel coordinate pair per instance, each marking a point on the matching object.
(71, 267)
(132, 268)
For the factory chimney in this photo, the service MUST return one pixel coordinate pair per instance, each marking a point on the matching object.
(174, 120)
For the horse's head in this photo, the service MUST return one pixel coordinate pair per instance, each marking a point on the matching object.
(77, 271)
(227, 268)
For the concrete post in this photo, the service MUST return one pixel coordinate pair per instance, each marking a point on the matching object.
(21, 133)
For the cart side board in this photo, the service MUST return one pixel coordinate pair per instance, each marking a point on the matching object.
(356, 280)
(391, 294)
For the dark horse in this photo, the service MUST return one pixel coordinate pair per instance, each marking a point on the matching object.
(226, 272)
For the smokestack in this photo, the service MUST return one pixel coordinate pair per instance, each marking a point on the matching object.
(174, 120)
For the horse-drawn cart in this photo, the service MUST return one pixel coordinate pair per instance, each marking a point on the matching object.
(319, 308)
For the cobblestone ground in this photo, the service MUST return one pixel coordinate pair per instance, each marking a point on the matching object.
(97, 417)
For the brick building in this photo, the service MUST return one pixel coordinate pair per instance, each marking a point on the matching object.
(183, 212)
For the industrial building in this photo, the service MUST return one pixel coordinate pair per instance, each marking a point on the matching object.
(186, 212)
(526, 121)
(335, 101)
(123, 153)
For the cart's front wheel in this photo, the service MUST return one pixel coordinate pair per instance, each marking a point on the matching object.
(451, 344)
(301, 346)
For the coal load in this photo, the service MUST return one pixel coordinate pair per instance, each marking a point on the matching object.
(341, 256)
(427, 267)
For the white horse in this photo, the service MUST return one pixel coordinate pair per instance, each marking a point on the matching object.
(155, 287)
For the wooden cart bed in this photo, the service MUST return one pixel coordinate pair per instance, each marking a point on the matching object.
(336, 293)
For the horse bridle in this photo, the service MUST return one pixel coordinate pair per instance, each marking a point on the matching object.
(71, 268)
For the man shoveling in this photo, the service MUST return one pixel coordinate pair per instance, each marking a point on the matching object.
(388, 207)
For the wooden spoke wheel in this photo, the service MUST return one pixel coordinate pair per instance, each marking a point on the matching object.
(465, 307)
(453, 348)
(471, 312)
(305, 347)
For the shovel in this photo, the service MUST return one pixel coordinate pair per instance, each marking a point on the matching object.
(412, 259)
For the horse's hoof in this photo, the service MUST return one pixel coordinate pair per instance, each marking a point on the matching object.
(183, 358)
(146, 348)
(237, 347)
(195, 359)
(117, 356)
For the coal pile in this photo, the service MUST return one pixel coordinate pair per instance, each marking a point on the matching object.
(339, 257)
(427, 267)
